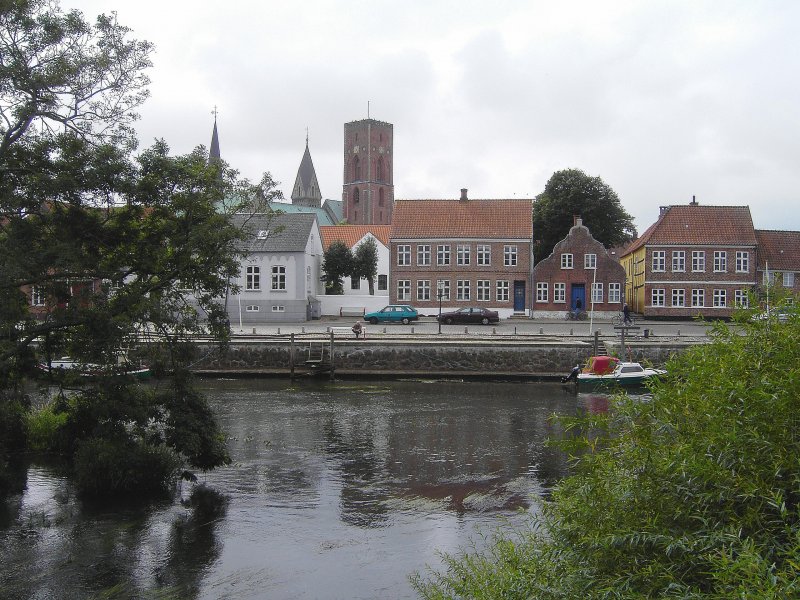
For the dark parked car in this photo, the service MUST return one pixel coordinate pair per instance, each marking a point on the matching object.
(394, 313)
(470, 314)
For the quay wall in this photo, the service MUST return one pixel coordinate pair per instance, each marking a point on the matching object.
(544, 359)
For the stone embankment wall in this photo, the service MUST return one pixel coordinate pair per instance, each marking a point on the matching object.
(500, 358)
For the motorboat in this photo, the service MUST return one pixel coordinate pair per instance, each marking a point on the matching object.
(62, 366)
(609, 372)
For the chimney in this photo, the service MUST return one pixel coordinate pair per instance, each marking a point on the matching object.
(464, 194)
(576, 220)
(693, 202)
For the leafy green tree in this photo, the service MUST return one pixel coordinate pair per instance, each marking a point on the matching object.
(365, 263)
(571, 193)
(693, 493)
(336, 264)
(108, 246)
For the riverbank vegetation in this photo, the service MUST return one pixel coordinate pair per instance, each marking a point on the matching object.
(99, 248)
(693, 493)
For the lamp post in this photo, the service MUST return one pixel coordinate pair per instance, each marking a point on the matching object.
(439, 294)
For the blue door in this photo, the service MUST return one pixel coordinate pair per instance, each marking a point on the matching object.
(577, 295)
(519, 296)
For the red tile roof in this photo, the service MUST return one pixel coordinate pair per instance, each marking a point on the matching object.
(352, 234)
(485, 219)
(699, 225)
(781, 249)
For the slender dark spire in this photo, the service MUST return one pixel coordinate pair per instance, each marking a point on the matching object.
(306, 188)
(214, 153)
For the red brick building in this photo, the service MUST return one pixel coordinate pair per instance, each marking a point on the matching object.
(694, 260)
(579, 271)
(476, 252)
(779, 259)
(368, 190)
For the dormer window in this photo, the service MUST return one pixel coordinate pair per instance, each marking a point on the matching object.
(262, 234)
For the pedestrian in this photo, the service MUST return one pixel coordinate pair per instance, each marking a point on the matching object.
(626, 313)
(357, 328)
(578, 307)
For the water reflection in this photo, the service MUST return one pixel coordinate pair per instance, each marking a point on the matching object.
(336, 491)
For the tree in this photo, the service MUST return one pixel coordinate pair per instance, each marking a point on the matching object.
(365, 263)
(109, 246)
(692, 493)
(572, 193)
(336, 264)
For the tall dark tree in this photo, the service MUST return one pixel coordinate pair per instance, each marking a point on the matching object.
(365, 263)
(336, 264)
(107, 246)
(570, 193)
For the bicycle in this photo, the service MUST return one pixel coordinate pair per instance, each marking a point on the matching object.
(580, 315)
(618, 320)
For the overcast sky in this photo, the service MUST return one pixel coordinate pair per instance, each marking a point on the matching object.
(662, 100)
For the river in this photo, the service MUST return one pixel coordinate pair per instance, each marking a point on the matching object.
(336, 490)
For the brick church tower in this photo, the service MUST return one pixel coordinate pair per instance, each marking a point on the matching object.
(368, 191)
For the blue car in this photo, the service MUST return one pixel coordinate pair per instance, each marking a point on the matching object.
(394, 313)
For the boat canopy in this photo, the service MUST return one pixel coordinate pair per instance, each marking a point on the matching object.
(601, 365)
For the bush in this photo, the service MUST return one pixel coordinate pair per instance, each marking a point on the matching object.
(107, 468)
(42, 427)
(692, 494)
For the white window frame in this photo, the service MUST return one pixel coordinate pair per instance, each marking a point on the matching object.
(597, 292)
(509, 256)
(614, 293)
(566, 260)
(741, 299)
(463, 290)
(423, 255)
(443, 255)
(720, 261)
(252, 278)
(678, 297)
(38, 297)
(542, 291)
(252, 308)
(788, 279)
(483, 255)
(560, 293)
(278, 278)
(403, 290)
(698, 298)
(658, 262)
(278, 308)
(658, 297)
(678, 261)
(590, 261)
(444, 285)
(698, 261)
(742, 261)
(463, 255)
(404, 255)
(502, 290)
(483, 290)
(720, 299)
(423, 290)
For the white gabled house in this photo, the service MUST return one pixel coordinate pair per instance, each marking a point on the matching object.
(279, 278)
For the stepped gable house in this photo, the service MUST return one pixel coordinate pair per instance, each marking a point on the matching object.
(579, 269)
(475, 252)
(779, 258)
(694, 260)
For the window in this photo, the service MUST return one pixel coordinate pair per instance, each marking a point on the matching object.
(657, 297)
(659, 260)
(719, 299)
(742, 262)
(37, 296)
(423, 289)
(698, 298)
(403, 255)
(404, 289)
(590, 261)
(559, 292)
(678, 297)
(541, 291)
(383, 282)
(597, 292)
(278, 308)
(566, 261)
(253, 279)
(462, 289)
(502, 291)
(510, 256)
(483, 290)
(678, 260)
(720, 261)
(423, 255)
(484, 255)
(788, 279)
(443, 288)
(252, 308)
(355, 283)
(443, 255)
(462, 254)
(278, 278)
(614, 292)
(698, 261)
(740, 299)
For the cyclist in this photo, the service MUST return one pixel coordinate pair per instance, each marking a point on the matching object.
(626, 313)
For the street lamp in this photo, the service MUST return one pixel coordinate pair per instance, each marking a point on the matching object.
(439, 294)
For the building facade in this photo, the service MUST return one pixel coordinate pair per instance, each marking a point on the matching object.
(368, 190)
(579, 272)
(353, 236)
(779, 260)
(462, 252)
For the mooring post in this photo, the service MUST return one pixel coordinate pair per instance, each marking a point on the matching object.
(291, 357)
(333, 364)
(596, 342)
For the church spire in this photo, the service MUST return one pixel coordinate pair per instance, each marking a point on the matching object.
(213, 153)
(306, 188)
